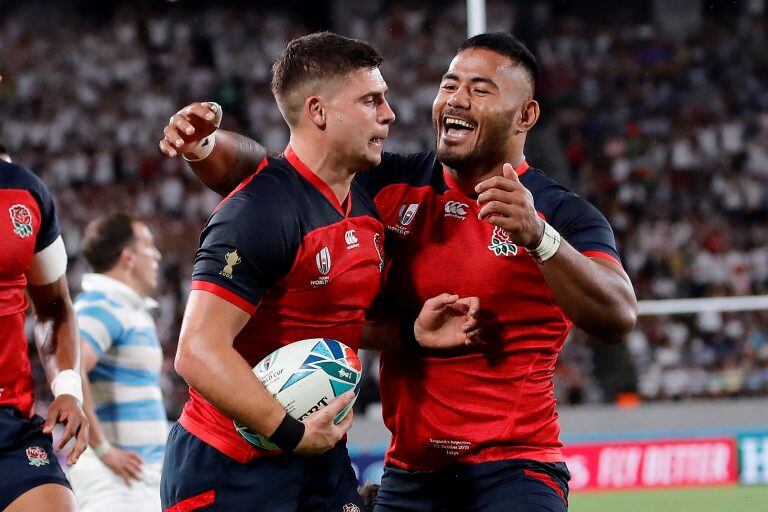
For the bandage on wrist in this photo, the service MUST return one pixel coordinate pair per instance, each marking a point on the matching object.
(288, 434)
(102, 449)
(549, 244)
(68, 382)
(204, 147)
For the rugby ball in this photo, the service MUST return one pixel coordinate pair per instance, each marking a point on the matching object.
(304, 377)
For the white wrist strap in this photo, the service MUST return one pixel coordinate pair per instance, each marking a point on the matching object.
(549, 245)
(102, 449)
(204, 147)
(68, 382)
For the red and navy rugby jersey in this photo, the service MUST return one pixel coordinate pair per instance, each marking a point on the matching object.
(470, 405)
(27, 226)
(284, 250)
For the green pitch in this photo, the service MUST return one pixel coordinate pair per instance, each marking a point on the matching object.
(719, 499)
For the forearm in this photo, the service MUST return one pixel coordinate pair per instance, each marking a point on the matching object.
(225, 379)
(234, 158)
(56, 336)
(95, 434)
(599, 299)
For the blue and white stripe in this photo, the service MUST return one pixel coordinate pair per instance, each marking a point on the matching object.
(125, 383)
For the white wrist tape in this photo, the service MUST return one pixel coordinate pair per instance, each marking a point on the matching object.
(102, 449)
(549, 245)
(68, 382)
(204, 147)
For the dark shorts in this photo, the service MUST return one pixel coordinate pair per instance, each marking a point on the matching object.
(500, 486)
(26, 456)
(197, 476)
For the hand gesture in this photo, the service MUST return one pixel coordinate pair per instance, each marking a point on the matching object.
(321, 433)
(506, 203)
(124, 463)
(447, 321)
(189, 126)
(66, 409)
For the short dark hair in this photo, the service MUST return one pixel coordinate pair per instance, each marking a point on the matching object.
(105, 238)
(3, 149)
(317, 58)
(508, 45)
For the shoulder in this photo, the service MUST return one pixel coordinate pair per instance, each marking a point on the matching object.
(550, 197)
(14, 176)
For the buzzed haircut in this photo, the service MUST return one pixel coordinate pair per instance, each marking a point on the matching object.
(508, 45)
(105, 238)
(311, 60)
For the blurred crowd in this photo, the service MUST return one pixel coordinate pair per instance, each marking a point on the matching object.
(666, 134)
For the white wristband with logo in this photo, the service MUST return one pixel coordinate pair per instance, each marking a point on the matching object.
(549, 245)
(68, 382)
(204, 147)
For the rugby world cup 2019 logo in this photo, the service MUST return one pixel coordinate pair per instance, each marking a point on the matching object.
(37, 456)
(406, 213)
(350, 507)
(323, 261)
(501, 244)
(21, 219)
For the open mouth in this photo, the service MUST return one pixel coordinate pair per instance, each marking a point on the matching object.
(456, 128)
(376, 141)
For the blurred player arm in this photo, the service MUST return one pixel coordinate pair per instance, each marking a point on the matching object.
(444, 322)
(233, 157)
(57, 345)
(583, 272)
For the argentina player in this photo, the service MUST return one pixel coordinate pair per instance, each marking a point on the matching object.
(122, 358)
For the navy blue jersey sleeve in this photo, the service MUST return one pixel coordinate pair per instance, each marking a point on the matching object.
(49, 225)
(249, 244)
(414, 169)
(584, 227)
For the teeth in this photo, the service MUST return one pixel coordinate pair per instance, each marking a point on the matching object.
(452, 121)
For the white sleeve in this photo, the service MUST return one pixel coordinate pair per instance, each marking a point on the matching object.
(48, 264)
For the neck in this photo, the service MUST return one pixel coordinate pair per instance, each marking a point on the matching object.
(467, 177)
(124, 276)
(325, 163)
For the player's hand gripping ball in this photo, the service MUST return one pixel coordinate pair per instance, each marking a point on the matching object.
(304, 377)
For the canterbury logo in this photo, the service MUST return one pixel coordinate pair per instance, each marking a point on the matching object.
(323, 261)
(351, 238)
(456, 209)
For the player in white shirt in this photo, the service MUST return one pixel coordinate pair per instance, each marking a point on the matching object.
(122, 358)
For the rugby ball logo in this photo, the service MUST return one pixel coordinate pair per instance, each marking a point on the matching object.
(323, 261)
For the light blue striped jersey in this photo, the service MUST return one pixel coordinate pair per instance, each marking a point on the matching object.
(125, 383)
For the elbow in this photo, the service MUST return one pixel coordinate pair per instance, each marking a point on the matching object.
(187, 364)
(620, 323)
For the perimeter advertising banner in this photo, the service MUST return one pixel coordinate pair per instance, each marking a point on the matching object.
(627, 465)
(642, 464)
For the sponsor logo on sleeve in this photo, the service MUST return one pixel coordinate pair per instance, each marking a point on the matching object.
(21, 218)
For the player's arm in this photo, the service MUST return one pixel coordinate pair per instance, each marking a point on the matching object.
(594, 292)
(227, 157)
(207, 360)
(124, 463)
(444, 322)
(57, 345)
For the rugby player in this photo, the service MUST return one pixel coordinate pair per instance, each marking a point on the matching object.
(294, 252)
(33, 260)
(122, 360)
(476, 429)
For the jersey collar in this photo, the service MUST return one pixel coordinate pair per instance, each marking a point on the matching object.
(318, 183)
(520, 170)
(117, 290)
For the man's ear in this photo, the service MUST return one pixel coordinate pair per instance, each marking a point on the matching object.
(315, 107)
(529, 115)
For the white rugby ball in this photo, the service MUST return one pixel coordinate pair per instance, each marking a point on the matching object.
(304, 377)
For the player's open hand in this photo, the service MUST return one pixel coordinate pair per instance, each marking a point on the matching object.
(321, 433)
(447, 321)
(66, 410)
(189, 126)
(125, 463)
(506, 203)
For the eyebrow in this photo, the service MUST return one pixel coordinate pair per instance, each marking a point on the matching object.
(474, 79)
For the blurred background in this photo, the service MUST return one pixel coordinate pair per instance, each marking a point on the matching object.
(655, 111)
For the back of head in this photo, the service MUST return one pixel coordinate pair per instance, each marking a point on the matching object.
(310, 61)
(509, 46)
(4, 154)
(105, 238)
